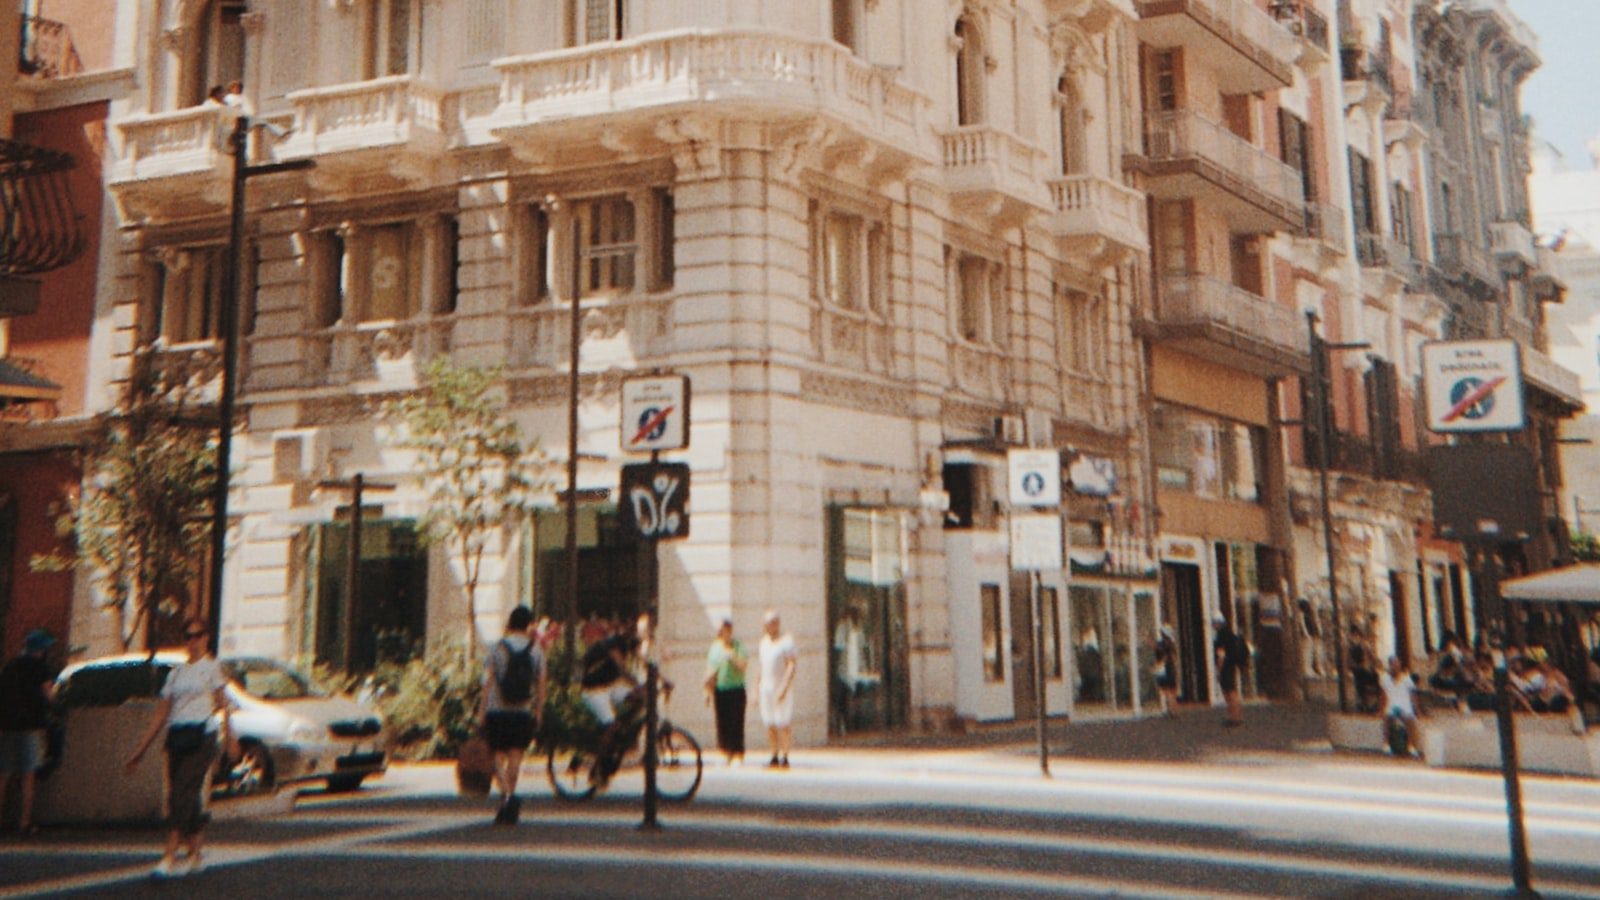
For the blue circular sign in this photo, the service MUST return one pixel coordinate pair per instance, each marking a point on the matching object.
(650, 417)
(1465, 388)
(1033, 484)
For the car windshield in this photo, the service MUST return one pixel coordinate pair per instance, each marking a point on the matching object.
(270, 680)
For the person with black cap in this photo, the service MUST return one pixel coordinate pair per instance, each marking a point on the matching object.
(27, 685)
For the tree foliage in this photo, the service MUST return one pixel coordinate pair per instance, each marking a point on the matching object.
(140, 518)
(478, 474)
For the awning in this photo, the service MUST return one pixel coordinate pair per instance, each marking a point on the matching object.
(1573, 584)
(18, 385)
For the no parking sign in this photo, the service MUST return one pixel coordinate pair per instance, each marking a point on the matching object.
(1473, 385)
(655, 413)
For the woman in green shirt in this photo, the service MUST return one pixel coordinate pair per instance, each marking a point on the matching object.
(725, 665)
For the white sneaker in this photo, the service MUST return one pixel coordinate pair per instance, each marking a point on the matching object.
(166, 868)
(194, 865)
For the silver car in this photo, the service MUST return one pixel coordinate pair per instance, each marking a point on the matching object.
(288, 733)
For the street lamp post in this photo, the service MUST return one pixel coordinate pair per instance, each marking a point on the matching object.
(227, 335)
(1324, 414)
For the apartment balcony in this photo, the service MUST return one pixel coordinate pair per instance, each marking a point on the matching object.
(1095, 212)
(386, 126)
(1303, 21)
(1189, 157)
(600, 96)
(1457, 257)
(1325, 223)
(1215, 320)
(174, 164)
(1512, 244)
(1387, 264)
(993, 170)
(1246, 49)
(1547, 284)
(1517, 29)
(1541, 372)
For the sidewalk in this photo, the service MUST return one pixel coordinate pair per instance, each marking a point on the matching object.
(1196, 734)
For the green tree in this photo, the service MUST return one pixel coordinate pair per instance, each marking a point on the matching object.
(1585, 547)
(140, 518)
(479, 476)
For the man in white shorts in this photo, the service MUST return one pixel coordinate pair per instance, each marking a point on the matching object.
(776, 679)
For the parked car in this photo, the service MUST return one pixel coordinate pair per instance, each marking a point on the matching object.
(288, 733)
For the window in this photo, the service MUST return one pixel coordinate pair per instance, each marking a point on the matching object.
(850, 267)
(970, 68)
(1361, 194)
(218, 49)
(391, 38)
(1164, 84)
(847, 24)
(1207, 456)
(1403, 221)
(1072, 126)
(185, 288)
(1383, 417)
(383, 272)
(994, 667)
(666, 210)
(593, 21)
(978, 293)
(607, 245)
(1295, 136)
(971, 497)
(534, 264)
(1084, 335)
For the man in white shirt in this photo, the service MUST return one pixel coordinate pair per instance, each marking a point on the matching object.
(776, 679)
(1399, 701)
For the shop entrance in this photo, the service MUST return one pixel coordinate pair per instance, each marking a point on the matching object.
(1182, 605)
(390, 616)
(869, 655)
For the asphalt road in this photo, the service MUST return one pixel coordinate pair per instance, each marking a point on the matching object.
(1264, 813)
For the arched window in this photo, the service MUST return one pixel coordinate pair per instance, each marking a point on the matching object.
(969, 72)
(216, 56)
(1070, 108)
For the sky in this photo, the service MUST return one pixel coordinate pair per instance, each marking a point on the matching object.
(1563, 95)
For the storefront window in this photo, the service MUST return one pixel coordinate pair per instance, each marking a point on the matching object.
(615, 571)
(1050, 614)
(1089, 629)
(1148, 629)
(390, 616)
(868, 653)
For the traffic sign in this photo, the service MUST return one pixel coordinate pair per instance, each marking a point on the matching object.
(1036, 542)
(1473, 385)
(655, 498)
(1035, 477)
(655, 413)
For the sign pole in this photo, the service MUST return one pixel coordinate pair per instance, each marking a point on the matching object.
(652, 680)
(1038, 673)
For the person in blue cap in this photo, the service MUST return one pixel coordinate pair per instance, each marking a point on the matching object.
(27, 685)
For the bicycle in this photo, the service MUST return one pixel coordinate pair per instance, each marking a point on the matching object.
(578, 772)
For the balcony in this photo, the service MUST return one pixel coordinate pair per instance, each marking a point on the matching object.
(1189, 157)
(1304, 22)
(1513, 26)
(1325, 222)
(1384, 259)
(1212, 319)
(1457, 257)
(1095, 211)
(545, 98)
(1512, 244)
(174, 164)
(391, 125)
(1541, 372)
(1247, 51)
(993, 169)
(1547, 284)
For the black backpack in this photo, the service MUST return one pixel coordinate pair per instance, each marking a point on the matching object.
(516, 682)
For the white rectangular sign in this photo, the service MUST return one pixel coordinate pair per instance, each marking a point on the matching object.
(1034, 477)
(1473, 385)
(655, 413)
(1036, 542)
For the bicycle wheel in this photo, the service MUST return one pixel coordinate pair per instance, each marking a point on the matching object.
(678, 765)
(568, 769)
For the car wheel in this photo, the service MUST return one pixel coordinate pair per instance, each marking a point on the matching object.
(252, 774)
(341, 784)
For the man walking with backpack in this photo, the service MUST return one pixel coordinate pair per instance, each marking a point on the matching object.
(513, 696)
